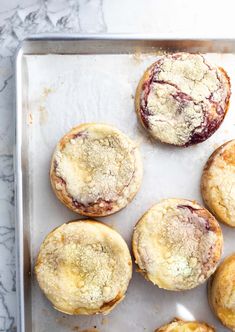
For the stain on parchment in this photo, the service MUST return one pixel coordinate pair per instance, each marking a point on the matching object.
(104, 321)
(29, 118)
(43, 117)
(47, 91)
(43, 113)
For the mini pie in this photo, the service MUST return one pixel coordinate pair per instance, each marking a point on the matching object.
(84, 267)
(218, 183)
(221, 292)
(182, 99)
(177, 244)
(96, 170)
(178, 325)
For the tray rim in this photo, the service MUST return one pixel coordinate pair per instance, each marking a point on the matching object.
(50, 37)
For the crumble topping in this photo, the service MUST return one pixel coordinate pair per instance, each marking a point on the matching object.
(98, 166)
(184, 99)
(83, 265)
(177, 245)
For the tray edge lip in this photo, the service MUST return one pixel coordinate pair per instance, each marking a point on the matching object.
(20, 310)
(19, 53)
(120, 36)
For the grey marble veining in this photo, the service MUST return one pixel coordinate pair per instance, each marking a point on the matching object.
(7, 267)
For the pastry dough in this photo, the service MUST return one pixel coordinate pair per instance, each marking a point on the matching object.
(222, 292)
(179, 325)
(182, 99)
(96, 170)
(84, 267)
(177, 244)
(218, 183)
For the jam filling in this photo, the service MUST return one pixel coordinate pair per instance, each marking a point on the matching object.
(100, 204)
(82, 133)
(106, 205)
(189, 207)
(193, 211)
(207, 128)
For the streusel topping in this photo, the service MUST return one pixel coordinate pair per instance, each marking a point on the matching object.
(177, 245)
(98, 164)
(83, 264)
(184, 99)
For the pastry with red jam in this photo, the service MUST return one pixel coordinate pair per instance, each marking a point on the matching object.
(84, 267)
(96, 170)
(177, 244)
(182, 99)
(178, 325)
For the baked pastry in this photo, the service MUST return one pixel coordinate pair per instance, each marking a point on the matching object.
(96, 170)
(84, 267)
(221, 292)
(218, 183)
(178, 325)
(177, 244)
(182, 99)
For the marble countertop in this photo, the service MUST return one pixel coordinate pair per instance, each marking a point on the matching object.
(20, 18)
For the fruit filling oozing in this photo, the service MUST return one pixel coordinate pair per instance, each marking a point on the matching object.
(96, 168)
(184, 99)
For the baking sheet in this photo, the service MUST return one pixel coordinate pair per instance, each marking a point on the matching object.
(62, 91)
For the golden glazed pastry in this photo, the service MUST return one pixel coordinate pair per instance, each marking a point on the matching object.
(177, 244)
(84, 267)
(218, 183)
(182, 99)
(222, 292)
(179, 325)
(96, 170)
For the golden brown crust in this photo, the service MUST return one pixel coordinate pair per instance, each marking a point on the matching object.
(164, 98)
(178, 325)
(217, 183)
(143, 79)
(221, 292)
(84, 267)
(116, 174)
(162, 249)
(228, 88)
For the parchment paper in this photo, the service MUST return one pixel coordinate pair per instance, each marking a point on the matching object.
(65, 90)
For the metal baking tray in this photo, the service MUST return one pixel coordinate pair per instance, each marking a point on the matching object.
(60, 82)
